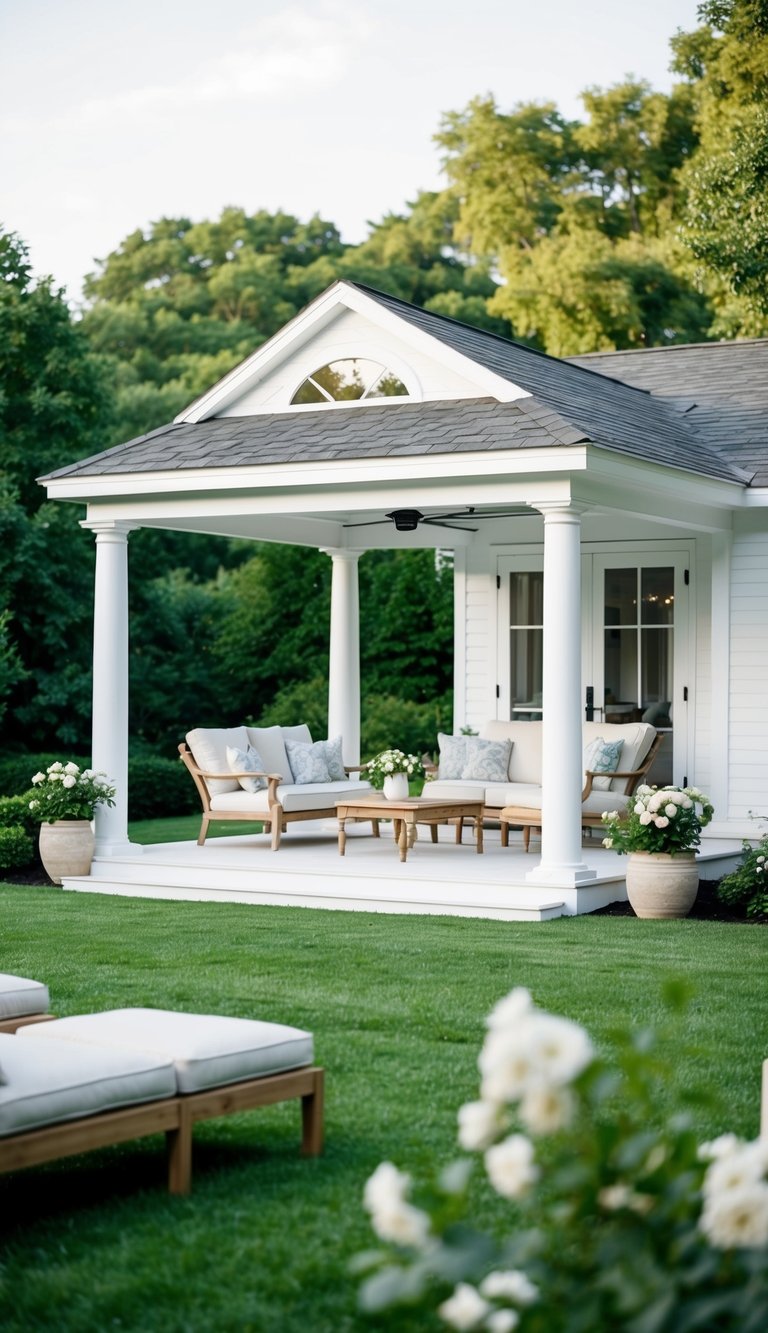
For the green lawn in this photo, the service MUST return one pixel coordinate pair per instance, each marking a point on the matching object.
(397, 1007)
(185, 828)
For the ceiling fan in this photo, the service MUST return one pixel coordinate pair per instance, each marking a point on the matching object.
(408, 520)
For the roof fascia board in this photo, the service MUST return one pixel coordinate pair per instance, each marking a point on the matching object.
(316, 317)
(334, 472)
(757, 498)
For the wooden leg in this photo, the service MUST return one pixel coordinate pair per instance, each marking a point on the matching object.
(504, 833)
(342, 837)
(459, 830)
(433, 832)
(312, 1119)
(526, 836)
(479, 833)
(277, 827)
(203, 831)
(375, 827)
(179, 1149)
(402, 839)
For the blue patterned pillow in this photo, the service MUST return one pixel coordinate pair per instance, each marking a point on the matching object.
(602, 757)
(247, 761)
(453, 754)
(319, 762)
(487, 761)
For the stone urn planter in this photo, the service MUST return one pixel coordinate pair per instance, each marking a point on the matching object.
(66, 848)
(662, 885)
(396, 787)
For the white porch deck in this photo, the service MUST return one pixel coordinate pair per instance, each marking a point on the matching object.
(307, 871)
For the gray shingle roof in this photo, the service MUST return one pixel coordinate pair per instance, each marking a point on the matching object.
(581, 400)
(721, 387)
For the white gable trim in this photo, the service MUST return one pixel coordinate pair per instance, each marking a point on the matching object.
(316, 317)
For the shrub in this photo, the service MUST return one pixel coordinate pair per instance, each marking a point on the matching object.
(159, 787)
(614, 1221)
(413, 727)
(746, 889)
(15, 813)
(17, 848)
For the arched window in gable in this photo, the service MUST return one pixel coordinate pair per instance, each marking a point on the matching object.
(353, 378)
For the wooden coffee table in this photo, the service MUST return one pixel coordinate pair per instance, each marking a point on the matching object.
(406, 814)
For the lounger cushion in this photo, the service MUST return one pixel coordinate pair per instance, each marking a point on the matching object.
(20, 996)
(51, 1081)
(206, 1049)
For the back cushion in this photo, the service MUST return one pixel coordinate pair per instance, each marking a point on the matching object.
(637, 736)
(525, 759)
(209, 750)
(271, 746)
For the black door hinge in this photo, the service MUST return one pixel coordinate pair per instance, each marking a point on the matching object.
(687, 577)
(685, 694)
(498, 580)
(498, 691)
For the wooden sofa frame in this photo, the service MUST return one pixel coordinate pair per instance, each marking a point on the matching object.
(12, 1024)
(275, 816)
(175, 1117)
(521, 817)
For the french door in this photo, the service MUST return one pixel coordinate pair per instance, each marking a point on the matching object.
(635, 650)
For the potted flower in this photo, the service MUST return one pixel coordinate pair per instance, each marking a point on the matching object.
(390, 772)
(64, 802)
(660, 831)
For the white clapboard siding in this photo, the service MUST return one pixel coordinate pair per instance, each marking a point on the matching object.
(748, 693)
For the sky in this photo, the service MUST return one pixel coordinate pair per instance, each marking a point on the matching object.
(112, 116)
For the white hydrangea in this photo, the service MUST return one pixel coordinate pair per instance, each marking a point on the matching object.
(511, 1285)
(547, 1110)
(478, 1125)
(68, 780)
(465, 1308)
(510, 1166)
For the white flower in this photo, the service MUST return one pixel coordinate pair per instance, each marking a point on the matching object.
(392, 1217)
(732, 1170)
(540, 1051)
(546, 1110)
(608, 842)
(72, 768)
(670, 809)
(737, 1218)
(760, 859)
(644, 790)
(55, 768)
(39, 777)
(646, 817)
(506, 1066)
(68, 781)
(511, 1285)
(661, 821)
(639, 808)
(615, 1197)
(465, 1308)
(478, 1125)
(34, 805)
(502, 1321)
(510, 1166)
(719, 1147)
(511, 1008)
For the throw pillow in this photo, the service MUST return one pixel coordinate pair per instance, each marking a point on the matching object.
(487, 761)
(309, 763)
(602, 757)
(334, 759)
(247, 761)
(453, 754)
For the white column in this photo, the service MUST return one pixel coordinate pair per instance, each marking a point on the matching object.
(110, 681)
(344, 663)
(562, 776)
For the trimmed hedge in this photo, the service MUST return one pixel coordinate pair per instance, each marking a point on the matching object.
(157, 786)
(18, 833)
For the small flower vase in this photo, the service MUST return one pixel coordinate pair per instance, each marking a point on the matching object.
(66, 848)
(396, 787)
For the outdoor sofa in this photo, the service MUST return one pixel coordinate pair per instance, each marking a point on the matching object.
(71, 1085)
(275, 775)
(507, 774)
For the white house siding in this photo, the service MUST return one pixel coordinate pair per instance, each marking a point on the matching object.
(748, 695)
(699, 767)
(350, 334)
(477, 611)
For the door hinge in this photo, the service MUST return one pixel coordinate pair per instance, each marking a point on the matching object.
(685, 694)
(498, 691)
(685, 780)
(498, 580)
(687, 577)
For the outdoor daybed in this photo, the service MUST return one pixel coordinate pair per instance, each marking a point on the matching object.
(22, 1001)
(503, 764)
(75, 1084)
(275, 775)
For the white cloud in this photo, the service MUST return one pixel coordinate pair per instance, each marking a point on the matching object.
(285, 56)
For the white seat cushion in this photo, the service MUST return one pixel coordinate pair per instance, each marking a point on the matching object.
(453, 789)
(318, 796)
(49, 1081)
(207, 1050)
(19, 996)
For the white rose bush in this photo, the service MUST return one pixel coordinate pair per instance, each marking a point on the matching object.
(66, 791)
(613, 1220)
(389, 762)
(659, 819)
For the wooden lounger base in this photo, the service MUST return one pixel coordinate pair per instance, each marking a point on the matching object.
(175, 1117)
(13, 1024)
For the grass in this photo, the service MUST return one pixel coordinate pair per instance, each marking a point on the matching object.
(185, 828)
(397, 1006)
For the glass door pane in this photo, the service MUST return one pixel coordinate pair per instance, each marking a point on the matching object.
(526, 637)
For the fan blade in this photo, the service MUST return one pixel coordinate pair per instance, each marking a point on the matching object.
(438, 523)
(374, 523)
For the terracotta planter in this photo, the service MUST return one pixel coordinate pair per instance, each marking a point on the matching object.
(66, 848)
(396, 787)
(661, 884)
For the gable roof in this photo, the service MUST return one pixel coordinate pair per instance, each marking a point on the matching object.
(566, 403)
(722, 388)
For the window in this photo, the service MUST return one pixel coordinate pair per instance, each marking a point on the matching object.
(353, 378)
